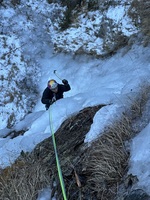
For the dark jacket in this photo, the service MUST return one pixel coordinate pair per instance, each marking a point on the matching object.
(48, 94)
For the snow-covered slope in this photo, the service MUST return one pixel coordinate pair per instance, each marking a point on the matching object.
(31, 28)
(30, 33)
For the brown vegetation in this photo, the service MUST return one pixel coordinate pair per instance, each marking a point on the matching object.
(90, 172)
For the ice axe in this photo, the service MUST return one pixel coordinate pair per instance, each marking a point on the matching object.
(55, 72)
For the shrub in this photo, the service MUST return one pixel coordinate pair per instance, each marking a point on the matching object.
(66, 21)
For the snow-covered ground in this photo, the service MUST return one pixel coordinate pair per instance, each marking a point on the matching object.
(113, 81)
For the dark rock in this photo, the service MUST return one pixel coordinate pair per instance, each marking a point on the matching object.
(137, 195)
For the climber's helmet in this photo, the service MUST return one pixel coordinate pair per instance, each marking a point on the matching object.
(52, 85)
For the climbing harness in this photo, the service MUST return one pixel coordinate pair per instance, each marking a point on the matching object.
(56, 155)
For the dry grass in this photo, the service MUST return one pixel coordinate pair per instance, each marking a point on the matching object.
(138, 103)
(23, 180)
(104, 163)
(108, 159)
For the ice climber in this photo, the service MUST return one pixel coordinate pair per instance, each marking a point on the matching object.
(54, 91)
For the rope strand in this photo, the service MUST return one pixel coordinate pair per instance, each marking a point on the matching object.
(56, 156)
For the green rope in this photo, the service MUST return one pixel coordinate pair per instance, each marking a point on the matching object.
(57, 159)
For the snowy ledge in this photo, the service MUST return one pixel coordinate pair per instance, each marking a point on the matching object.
(96, 33)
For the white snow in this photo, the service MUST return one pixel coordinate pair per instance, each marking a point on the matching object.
(113, 82)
